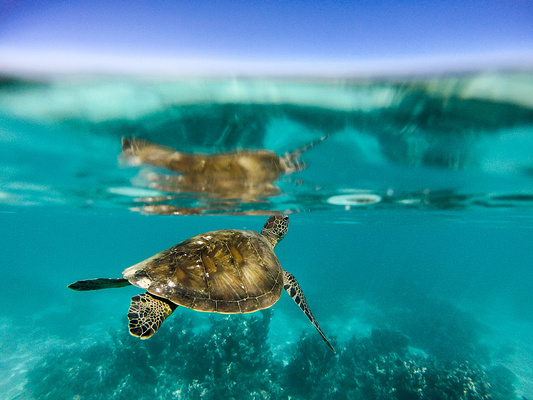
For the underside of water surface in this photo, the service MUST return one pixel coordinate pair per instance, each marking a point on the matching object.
(410, 203)
(450, 142)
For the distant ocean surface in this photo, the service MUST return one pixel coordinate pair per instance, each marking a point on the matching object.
(411, 231)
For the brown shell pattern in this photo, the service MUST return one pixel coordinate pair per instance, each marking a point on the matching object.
(226, 271)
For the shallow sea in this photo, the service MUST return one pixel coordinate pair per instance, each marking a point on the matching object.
(411, 231)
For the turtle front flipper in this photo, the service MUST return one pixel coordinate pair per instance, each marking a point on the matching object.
(99, 283)
(291, 285)
(291, 162)
(146, 314)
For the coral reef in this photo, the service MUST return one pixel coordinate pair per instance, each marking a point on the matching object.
(370, 368)
(437, 327)
(232, 359)
(176, 363)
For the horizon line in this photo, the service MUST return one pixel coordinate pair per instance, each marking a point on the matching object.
(54, 63)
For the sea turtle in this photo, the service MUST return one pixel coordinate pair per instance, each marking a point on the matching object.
(226, 271)
(256, 165)
(245, 174)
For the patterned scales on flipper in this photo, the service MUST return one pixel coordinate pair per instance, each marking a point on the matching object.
(291, 285)
(147, 313)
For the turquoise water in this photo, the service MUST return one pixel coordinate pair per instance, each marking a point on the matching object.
(410, 233)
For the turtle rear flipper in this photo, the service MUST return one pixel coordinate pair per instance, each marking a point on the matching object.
(291, 285)
(99, 283)
(146, 314)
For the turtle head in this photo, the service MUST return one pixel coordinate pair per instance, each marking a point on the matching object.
(275, 228)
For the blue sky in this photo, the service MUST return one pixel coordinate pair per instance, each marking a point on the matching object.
(270, 30)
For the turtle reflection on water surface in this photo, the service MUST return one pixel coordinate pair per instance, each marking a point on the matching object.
(226, 271)
(246, 174)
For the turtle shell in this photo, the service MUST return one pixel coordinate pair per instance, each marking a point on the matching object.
(226, 271)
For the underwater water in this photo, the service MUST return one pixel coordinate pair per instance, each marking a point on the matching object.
(411, 231)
